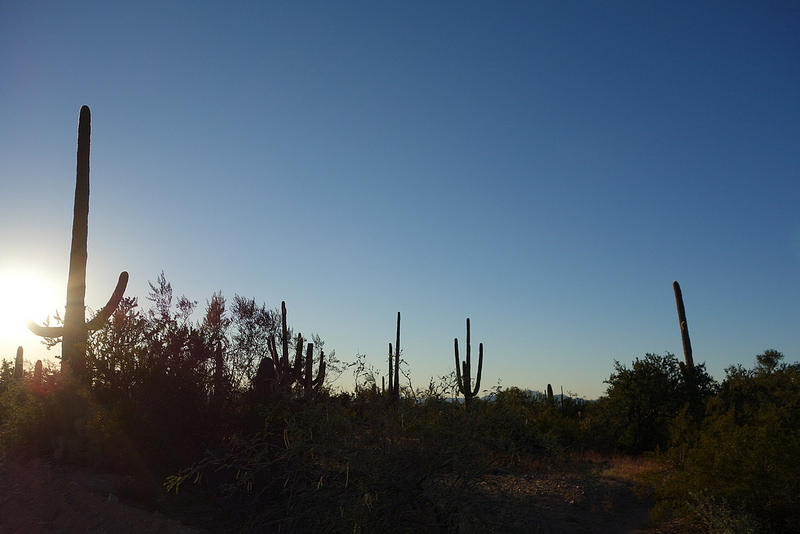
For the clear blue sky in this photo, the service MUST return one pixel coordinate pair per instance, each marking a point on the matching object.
(544, 168)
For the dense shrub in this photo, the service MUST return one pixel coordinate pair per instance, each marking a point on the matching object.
(643, 400)
(330, 467)
(742, 461)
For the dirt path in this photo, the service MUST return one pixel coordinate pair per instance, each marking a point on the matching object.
(564, 502)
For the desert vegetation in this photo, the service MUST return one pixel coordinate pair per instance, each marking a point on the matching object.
(235, 412)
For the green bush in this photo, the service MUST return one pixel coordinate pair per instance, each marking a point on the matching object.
(642, 401)
(742, 460)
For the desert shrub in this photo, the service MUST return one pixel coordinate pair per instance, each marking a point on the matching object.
(515, 424)
(361, 465)
(64, 424)
(21, 416)
(743, 459)
(30, 418)
(642, 401)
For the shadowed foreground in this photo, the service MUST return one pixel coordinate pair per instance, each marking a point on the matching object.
(36, 497)
(581, 497)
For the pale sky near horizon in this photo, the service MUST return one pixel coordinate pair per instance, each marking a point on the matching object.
(544, 168)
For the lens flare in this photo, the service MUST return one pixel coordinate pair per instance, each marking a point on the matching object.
(24, 296)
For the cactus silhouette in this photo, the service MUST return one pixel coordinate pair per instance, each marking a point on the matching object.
(687, 367)
(687, 343)
(37, 374)
(300, 372)
(284, 373)
(310, 384)
(463, 371)
(551, 400)
(18, 364)
(394, 371)
(287, 372)
(74, 332)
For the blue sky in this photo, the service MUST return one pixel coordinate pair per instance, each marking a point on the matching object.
(544, 168)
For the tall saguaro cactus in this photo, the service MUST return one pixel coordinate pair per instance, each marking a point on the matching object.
(394, 371)
(687, 367)
(687, 343)
(286, 373)
(74, 332)
(464, 374)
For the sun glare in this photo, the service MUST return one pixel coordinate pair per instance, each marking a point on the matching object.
(24, 296)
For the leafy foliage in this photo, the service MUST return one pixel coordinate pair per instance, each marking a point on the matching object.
(172, 386)
(642, 401)
(744, 457)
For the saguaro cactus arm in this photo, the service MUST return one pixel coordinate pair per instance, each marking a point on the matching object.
(320, 379)
(46, 331)
(312, 385)
(459, 378)
(98, 321)
(101, 318)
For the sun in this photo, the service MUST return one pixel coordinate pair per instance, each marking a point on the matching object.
(24, 296)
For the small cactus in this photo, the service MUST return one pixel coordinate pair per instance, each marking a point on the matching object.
(463, 371)
(74, 332)
(37, 374)
(18, 365)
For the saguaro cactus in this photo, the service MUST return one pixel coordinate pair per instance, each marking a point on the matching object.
(18, 364)
(688, 367)
(310, 384)
(687, 343)
(74, 332)
(394, 371)
(463, 371)
(287, 372)
(299, 372)
(37, 373)
(281, 371)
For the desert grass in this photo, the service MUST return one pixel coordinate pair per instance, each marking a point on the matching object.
(631, 469)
